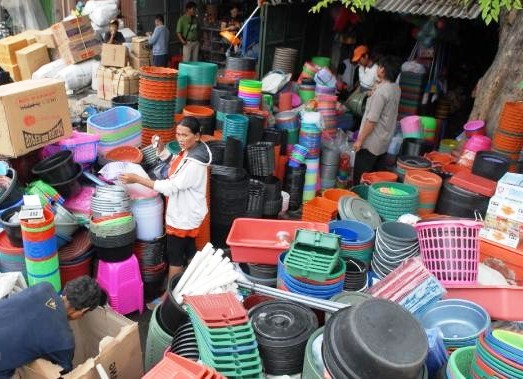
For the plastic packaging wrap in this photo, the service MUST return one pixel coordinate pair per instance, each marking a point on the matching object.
(77, 76)
(27, 14)
(49, 70)
(101, 12)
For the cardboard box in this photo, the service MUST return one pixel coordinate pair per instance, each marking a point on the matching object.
(102, 337)
(114, 55)
(75, 52)
(41, 36)
(104, 78)
(72, 30)
(13, 70)
(510, 186)
(31, 58)
(33, 113)
(8, 48)
(126, 82)
(29, 36)
(137, 62)
(503, 207)
(140, 47)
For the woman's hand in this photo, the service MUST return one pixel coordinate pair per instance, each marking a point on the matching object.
(130, 178)
(160, 145)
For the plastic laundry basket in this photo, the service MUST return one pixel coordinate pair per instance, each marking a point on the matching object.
(450, 249)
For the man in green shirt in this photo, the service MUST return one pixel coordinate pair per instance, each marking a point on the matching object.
(187, 32)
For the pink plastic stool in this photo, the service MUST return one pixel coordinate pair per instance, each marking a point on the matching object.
(123, 284)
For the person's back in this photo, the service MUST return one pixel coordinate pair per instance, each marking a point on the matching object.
(161, 43)
(34, 324)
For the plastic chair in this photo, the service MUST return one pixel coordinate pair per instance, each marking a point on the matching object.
(123, 284)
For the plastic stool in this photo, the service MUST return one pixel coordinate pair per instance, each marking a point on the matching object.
(123, 284)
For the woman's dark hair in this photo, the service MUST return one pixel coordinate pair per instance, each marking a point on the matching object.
(84, 292)
(190, 5)
(159, 17)
(192, 123)
(391, 65)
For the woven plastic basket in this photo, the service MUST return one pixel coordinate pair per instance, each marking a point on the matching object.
(450, 249)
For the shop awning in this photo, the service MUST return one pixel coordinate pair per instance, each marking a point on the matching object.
(439, 8)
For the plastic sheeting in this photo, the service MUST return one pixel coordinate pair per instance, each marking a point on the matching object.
(26, 14)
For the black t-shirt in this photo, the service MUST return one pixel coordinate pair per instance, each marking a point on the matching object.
(118, 38)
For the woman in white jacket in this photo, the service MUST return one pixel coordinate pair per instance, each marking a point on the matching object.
(185, 189)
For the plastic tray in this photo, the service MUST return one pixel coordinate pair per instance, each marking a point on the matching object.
(257, 241)
(218, 310)
(474, 183)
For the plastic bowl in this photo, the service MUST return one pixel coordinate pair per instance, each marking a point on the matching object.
(13, 231)
(13, 193)
(71, 186)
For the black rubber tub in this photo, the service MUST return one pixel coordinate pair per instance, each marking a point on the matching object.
(12, 194)
(125, 101)
(71, 186)
(13, 230)
(58, 168)
(171, 314)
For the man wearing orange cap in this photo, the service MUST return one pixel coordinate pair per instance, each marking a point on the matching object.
(367, 71)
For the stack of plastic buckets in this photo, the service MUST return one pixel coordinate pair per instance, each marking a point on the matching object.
(327, 107)
(311, 178)
(237, 127)
(288, 121)
(181, 93)
(429, 128)
(41, 252)
(357, 239)
(250, 91)
(201, 77)
(310, 137)
(157, 102)
(148, 213)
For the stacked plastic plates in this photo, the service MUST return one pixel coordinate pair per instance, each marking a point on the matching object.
(11, 257)
(357, 240)
(327, 107)
(250, 92)
(355, 208)
(236, 126)
(309, 285)
(149, 157)
(237, 68)
(119, 126)
(157, 102)
(80, 204)
(284, 59)
(330, 160)
(298, 155)
(392, 200)
(499, 353)
(76, 257)
(226, 339)
(282, 330)
(310, 137)
(152, 265)
(461, 322)
(174, 366)
(311, 178)
(201, 77)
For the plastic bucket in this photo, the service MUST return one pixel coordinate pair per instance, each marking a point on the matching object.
(127, 101)
(411, 127)
(474, 128)
(12, 230)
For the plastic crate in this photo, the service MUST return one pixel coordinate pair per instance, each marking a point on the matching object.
(83, 145)
(261, 241)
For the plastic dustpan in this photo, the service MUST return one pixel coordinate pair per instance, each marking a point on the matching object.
(218, 310)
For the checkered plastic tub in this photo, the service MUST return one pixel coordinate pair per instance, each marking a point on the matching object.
(450, 249)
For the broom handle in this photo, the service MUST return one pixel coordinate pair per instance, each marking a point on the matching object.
(247, 21)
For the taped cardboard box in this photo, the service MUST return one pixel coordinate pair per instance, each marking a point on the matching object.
(29, 36)
(41, 36)
(104, 79)
(140, 47)
(114, 55)
(33, 113)
(9, 46)
(31, 58)
(102, 337)
(126, 82)
(72, 30)
(137, 62)
(75, 52)
(13, 70)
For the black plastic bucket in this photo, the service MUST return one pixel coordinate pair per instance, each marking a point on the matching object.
(125, 101)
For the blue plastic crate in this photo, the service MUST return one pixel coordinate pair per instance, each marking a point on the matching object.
(114, 118)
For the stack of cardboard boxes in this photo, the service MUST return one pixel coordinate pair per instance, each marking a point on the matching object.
(504, 219)
(114, 76)
(76, 40)
(8, 55)
(140, 52)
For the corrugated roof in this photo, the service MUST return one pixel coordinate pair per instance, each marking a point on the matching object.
(440, 8)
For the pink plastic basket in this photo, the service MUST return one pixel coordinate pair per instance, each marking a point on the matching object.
(450, 249)
(83, 145)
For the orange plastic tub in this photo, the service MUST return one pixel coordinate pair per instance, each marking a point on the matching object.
(261, 241)
(501, 302)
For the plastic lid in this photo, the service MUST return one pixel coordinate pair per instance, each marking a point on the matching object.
(355, 208)
(282, 322)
